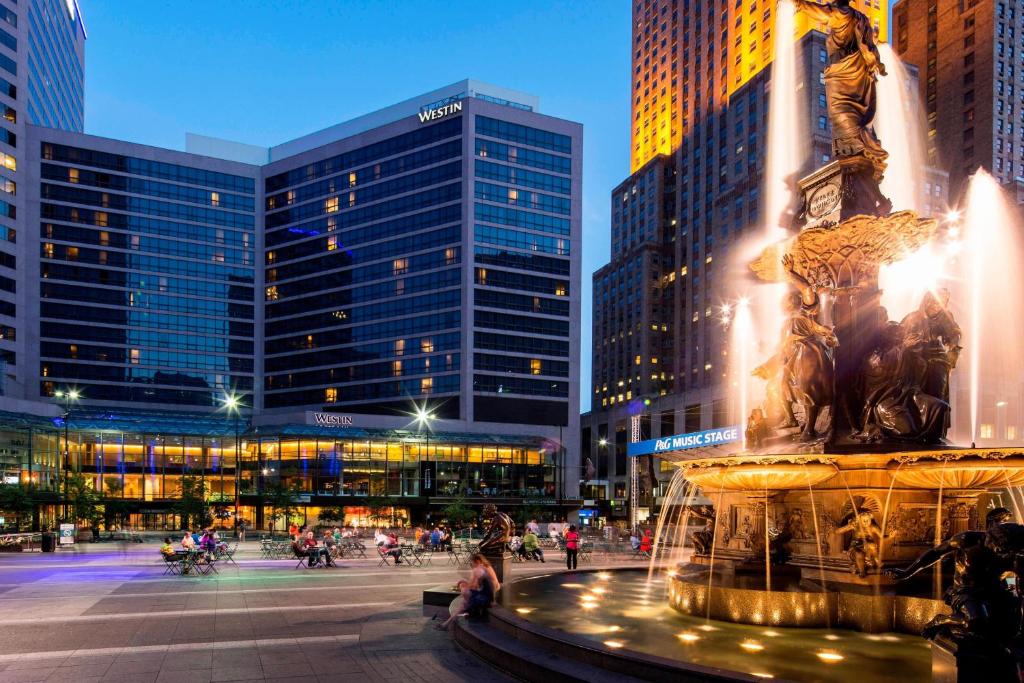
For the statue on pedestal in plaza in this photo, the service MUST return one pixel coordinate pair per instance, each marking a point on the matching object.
(853, 67)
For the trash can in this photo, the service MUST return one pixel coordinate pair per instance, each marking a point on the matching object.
(48, 543)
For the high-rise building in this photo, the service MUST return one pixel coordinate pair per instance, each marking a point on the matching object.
(42, 62)
(971, 62)
(699, 95)
(394, 300)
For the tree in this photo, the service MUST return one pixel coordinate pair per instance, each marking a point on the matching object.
(115, 508)
(382, 510)
(280, 499)
(84, 500)
(191, 506)
(332, 515)
(17, 501)
(458, 513)
(527, 512)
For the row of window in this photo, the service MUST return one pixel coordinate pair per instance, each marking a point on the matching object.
(499, 151)
(367, 174)
(332, 299)
(530, 283)
(141, 356)
(370, 391)
(423, 365)
(146, 301)
(143, 262)
(517, 239)
(393, 328)
(154, 226)
(120, 202)
(488, 256)
(386, 309)
(384, 269)
(525, 135)
(510, 384)
(137, 243)
(531, 345)
(521, 219)
(396, 251)
(147, 167)
(152, 188)
(354, 236)
(385, 209)
(63, 331)
(419, 137)
(523, 198)
(389, 188)
(147, 282)
(517, 176)
(520, 365)
(132, 375)
(521, 323)
(141, 393)
(395, 348)
(520, 302)
(146, 319)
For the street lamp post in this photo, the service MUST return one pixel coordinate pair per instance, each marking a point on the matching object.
(424, 418)
(233, 405)
(67, 397)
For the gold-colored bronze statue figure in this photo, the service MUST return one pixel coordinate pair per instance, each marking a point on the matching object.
(499, 529)
(867, 538)
(703, 539)
(853, 67)
(933, 323)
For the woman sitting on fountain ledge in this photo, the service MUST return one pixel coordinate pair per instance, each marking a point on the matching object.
(483, 586)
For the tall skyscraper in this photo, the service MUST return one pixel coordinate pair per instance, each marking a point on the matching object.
(700, 81)
(42, 82)
(971, 60)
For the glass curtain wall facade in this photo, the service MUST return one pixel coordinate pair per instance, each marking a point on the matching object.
(363, 275)
(522, 210)
(147, 278)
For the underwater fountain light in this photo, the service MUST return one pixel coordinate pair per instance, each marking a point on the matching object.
(604, 576)
(688, 637)
(751, 646)
(830, 656)
(613, 643)
(771, 634)
(524, 610)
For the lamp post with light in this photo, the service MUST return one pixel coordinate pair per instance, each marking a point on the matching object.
(232, 405)
(424, 418)
(67, 397)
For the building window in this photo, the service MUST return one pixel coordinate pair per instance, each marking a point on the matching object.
(331, 204)
(331, 395)
(136, 356)
(535, 366)
(986, 431)
(426, 385)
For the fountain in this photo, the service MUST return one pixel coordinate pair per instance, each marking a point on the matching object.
(828, 523)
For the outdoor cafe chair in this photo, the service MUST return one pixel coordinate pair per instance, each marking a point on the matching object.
(306, 559)
(172, 564)
(228, 554)
(386, 558)
(586, 549)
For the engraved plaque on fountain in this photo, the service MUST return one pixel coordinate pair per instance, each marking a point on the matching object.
(822, 193)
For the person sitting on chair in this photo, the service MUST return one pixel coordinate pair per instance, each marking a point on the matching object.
(530, 548)
(332, 547)
(315, 552)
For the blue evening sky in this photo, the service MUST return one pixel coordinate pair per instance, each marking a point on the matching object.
(264, 72)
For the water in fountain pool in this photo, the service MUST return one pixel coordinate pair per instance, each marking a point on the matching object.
(621, 609)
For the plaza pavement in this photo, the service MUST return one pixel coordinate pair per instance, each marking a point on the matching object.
(105, 612)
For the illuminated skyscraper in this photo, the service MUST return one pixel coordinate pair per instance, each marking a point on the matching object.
(698, 130)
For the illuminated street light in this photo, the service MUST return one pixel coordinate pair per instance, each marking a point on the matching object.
(232, 405)
(67, 397)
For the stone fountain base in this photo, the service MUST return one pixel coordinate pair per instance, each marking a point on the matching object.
(800, 603)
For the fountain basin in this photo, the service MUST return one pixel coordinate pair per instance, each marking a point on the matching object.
(971, 473)
(631, 619)
(770, 475)
(799, 604)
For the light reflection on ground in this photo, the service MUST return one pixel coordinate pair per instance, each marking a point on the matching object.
(644, 622)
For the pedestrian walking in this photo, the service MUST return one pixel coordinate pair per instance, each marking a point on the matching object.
(572, 547)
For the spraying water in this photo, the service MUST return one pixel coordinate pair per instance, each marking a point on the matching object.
(993, 298)
(899, 124)
(755, 336)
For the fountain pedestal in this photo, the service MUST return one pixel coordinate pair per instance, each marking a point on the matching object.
(964, 663)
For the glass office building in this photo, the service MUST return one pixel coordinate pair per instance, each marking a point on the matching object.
(394, 300)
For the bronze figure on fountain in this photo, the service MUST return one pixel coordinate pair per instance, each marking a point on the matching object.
(703, 539)
(853, 67)
(985, 624)
(866, 542)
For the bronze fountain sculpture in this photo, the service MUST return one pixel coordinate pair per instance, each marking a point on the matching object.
(846, 474)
